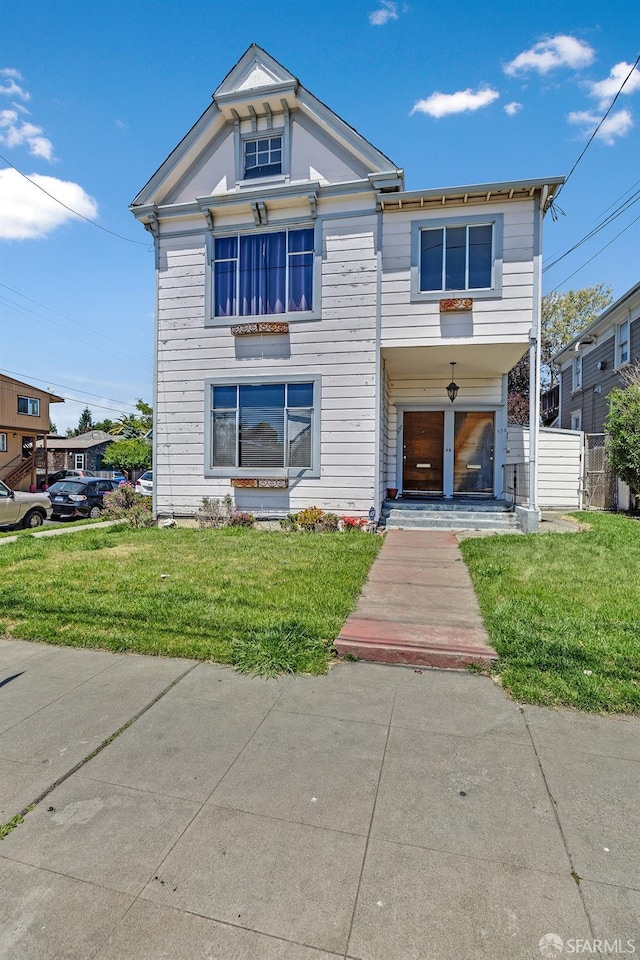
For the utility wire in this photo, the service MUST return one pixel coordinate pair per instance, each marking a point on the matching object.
(592, 233)
(125, 403)
(598, 252)
(593, 135)
(140, 243)
(602, 212)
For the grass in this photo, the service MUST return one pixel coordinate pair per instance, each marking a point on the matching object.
(563, 613)
(17, 531)
(267, 601)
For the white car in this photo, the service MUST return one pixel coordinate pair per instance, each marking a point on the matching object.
(144, 484)
(26, 509)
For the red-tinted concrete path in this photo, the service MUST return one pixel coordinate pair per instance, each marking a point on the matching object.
(418, 606)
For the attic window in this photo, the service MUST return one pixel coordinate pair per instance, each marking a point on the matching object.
(262, 157)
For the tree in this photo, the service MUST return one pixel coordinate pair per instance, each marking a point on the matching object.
(623, 428)
(85, 423)
(563, 316)
(105, 425)
(52, 426)
(129, 454)
(132, 425)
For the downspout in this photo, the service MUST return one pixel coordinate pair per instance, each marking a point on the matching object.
(534, 359)
(154, 229)
(378, 366)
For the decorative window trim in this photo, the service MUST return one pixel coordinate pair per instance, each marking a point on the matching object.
(3, 443)
(28, 412)
(297, 316)
(267, 472)
(484, 293)
(619, 363)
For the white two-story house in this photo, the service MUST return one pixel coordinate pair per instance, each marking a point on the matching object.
(325, 337)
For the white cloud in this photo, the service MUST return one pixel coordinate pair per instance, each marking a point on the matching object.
(387, 11)
(616, 125)
(605, 90)
(9, 86)
(26, 212)
(559, 51)
(512, 108)
(464, 101)
(15, 132)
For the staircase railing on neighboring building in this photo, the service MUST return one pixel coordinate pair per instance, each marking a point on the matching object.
(550, 405)
(16, 475)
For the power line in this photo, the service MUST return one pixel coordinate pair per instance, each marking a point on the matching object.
(121, 403)
(592, 233)
(598, 252)
(71, 210)
(593, 135)
(606, 209)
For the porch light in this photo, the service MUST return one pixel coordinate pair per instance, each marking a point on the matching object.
(452, 389)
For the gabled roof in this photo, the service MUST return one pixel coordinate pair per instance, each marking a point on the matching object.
(257, 78)
(91, 439)
(51, 397)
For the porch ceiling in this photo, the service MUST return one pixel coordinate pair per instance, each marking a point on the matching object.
(473, 360)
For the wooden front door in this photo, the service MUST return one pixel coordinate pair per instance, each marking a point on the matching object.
(473, 452)
(423, 453)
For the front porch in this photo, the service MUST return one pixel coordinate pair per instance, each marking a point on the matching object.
(457, 513)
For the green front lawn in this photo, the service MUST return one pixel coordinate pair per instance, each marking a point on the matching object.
(262, 600)
(563, 613)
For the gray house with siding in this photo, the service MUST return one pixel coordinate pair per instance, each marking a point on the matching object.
(313, 315)
(591, 364)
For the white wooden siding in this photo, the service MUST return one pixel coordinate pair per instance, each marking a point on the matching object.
(341, 347)
(560, 454)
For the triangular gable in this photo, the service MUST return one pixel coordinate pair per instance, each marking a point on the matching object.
(200, 165)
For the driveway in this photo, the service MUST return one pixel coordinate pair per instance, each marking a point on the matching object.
(378, 813)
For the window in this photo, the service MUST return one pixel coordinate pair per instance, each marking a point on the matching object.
(29, 405)
(262, 274)
(262, 157)
(3, 443)
(622, 347)
(78, 461)
(456, 257)
(263, 426)
(576, 420)
(577, 373)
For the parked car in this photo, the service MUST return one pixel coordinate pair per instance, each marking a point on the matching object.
(144, 484)
(27, 509)
(61, 474)
(79, 496)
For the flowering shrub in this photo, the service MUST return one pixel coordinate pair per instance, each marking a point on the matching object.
(241, 519)
(309, 518)
(125, 504)
(354, 523)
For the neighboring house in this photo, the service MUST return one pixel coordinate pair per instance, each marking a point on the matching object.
(310, 309)
(24, 421)
(590, 365)
(84, 452)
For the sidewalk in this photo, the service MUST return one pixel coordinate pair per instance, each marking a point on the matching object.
(418, 606)
(377, 813)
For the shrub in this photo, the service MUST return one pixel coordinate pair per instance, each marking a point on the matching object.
(241, 519)
(309, 518)
(125, 504)
(214, 513)
(354, 523)
(329, 523)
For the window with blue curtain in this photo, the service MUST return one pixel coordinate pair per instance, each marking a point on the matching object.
(262, 274)
(262, 425)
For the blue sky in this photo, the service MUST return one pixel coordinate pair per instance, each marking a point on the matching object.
(93, 97)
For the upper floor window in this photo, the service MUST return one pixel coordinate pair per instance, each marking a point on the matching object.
(29, 405)
(622, 344)
(577, 373)
(3, 443)
(456, 257)
(262, 157)
(261, 274)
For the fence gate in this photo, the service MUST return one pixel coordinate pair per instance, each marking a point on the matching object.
(600, 482)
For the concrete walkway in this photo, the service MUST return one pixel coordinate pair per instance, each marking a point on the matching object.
(418, 606)
(378, 813)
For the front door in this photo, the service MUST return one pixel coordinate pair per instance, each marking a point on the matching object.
(423, 451)
(473, 452)
(448, 452)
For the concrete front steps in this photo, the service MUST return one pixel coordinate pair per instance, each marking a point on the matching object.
(454, 514)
